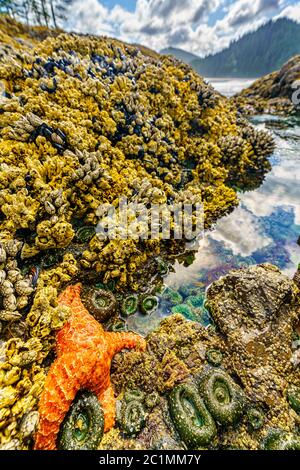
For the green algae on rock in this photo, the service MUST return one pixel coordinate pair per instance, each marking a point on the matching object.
(172, 296)
(293, 396)
(185, 310)
(83, 426)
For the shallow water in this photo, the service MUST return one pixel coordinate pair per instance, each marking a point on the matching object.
(265, 227)
(228, 86)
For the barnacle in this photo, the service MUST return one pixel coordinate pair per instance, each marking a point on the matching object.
(222, 396)
(83, 426)
(191, 418)
(60, 275)
(90, 120)
(15, 288)
(28, 425)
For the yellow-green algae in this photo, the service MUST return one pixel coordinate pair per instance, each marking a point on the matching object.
(83, 121)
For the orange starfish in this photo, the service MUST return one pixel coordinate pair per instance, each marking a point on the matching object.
(84, 355)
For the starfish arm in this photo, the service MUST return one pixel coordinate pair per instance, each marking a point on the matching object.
(65, 378)
(108, 402)
(118, 341)
(68, 295)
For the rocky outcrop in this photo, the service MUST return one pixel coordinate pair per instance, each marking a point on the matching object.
(275, 93)
(256, 311)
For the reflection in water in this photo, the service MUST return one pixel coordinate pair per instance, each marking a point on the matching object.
(264, 228)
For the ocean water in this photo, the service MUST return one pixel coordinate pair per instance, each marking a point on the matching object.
(264, 228)
(230, 86)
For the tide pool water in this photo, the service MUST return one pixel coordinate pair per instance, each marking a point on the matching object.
(264, 228)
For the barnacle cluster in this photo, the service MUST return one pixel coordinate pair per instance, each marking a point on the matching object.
(15, 289)
(87, 120)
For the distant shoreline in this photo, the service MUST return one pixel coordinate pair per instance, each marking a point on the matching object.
(230, 79)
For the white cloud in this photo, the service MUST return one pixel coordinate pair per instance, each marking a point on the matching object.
(179, 23)
(241, 233)
(292, 12)
(91, 17)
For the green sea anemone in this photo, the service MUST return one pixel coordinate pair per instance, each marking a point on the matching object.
(222, 396)
(101, 303)
(190, 416)
(116, 325)
(83, 426)
(214, 357)
(148, 304)
(162, 267)
(129, 305)
(255, 418)
(133, 417)
(85, 234)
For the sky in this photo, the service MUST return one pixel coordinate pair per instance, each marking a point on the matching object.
(198, 26)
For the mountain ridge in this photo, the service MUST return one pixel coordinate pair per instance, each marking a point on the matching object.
(253, 55)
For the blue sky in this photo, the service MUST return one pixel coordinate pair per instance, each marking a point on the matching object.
(198, 26)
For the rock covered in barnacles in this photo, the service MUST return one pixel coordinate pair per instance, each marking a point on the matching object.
(15, 288)
(87, 120)
(256, 309)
